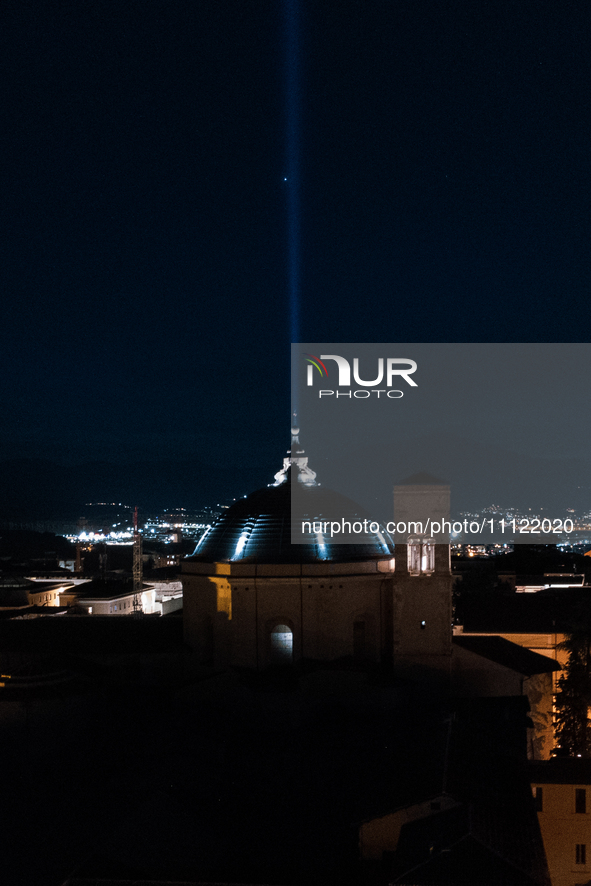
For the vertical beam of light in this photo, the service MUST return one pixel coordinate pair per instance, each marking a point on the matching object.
(291, 12)
(293, 114)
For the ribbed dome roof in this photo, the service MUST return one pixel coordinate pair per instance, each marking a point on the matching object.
(258, 529)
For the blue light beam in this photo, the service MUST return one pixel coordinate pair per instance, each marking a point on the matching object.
(291, 12)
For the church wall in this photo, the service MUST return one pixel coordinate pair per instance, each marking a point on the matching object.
(240, 609)
(321, 615)
(235, 606)
(199, 615)
(244, 649)
(330, 612)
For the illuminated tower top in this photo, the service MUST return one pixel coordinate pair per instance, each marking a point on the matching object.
(297, 458)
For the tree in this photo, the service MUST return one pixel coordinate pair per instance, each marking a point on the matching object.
(573, 701)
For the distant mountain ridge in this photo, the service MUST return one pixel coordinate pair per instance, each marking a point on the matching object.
(37, 489)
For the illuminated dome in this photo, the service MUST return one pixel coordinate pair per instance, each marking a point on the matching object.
(257, 529)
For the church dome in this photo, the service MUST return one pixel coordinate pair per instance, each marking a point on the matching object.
(257, 529)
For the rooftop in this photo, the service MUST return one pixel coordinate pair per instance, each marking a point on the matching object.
(508, 654)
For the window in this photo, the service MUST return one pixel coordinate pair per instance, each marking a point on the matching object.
(538, 799)
(580, 800)
(281, 644)
(581, 853)
(428, 556)
(421, 555)
(414, 556)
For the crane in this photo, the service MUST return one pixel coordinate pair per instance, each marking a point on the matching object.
(137, 568)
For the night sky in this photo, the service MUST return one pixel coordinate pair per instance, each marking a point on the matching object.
(442, 177)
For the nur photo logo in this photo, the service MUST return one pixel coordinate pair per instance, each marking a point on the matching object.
(390, 370)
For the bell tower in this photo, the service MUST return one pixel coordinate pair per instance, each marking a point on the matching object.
(422, 579)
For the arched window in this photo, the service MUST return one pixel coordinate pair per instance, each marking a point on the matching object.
(281, 644)
(421, 555)
(414, 556)
(428, 556)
